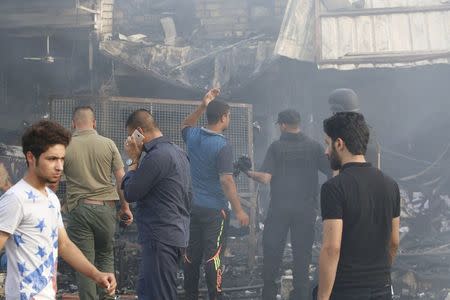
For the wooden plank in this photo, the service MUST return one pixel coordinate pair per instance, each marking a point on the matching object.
(382, 33)
(419, 32)
(436, 26)
(44, 20)
(400, 39)
(166, 101)
(385, 11)
(330, 40)
(447, 27)
(363, 28)
(377, 58)
(71, 33)
(35, 6)
(346, 36)
(253, 240)
(318, 27)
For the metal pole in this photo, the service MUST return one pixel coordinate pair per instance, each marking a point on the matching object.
(91, 63)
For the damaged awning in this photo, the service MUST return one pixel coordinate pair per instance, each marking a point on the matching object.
(227, 66)
(345, 34)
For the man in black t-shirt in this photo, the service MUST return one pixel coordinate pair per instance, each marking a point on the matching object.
(360, 212)
(291, 167)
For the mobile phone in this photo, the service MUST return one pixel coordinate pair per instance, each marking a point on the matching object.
(139, 137)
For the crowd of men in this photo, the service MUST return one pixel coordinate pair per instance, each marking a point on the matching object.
(184, 201)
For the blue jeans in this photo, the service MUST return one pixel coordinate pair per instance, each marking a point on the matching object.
(158, 271)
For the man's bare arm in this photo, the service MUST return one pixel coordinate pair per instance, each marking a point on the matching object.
(125, 213)
(329, 257)
(193, 118)
(230, 190)
(260, 177)
(74, 257)
(395, 239)
(3, 238)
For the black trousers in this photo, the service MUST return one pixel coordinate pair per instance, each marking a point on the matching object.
(208, 233)
(381, 293)
(158, 271)
(301, 226)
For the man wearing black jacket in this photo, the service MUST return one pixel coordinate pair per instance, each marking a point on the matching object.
(291, 167)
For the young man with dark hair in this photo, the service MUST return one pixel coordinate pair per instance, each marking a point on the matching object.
(91, 162)
(160, 185)
(31, 227)
(213, 186)
(291, 166)
(360, 212)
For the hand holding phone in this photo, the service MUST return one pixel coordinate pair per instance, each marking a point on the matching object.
(139, 137)
(134, 144)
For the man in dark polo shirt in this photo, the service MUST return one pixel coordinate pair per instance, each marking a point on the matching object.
(211, 158)
(291, 167)
(160, 184)
(360, 211)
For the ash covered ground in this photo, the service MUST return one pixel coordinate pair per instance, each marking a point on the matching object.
(421, 271)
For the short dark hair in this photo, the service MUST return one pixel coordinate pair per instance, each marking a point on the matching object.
(141, 118)
(289, 117)
(83, 107)
(43, 135)
(216, 109)
(351, 128)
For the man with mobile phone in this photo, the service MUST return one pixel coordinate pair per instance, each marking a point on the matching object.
(91, 160)
(214, 187)
(160, 185)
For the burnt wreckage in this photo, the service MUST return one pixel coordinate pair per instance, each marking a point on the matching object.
(197, 44)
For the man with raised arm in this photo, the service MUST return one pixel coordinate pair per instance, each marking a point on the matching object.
(211, 158)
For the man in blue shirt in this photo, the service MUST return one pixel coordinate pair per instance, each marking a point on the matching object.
(211, 158)
(160, 184)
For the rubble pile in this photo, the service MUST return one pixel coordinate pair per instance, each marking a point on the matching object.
(422, 268)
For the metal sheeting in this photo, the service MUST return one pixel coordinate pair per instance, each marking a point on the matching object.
(386, 33)
(297, 34)
(105, 25)
(402, 3)
(345, 4)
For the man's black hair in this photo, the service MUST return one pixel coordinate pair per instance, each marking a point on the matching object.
(351, 128)
(43, 135)
(141, 118)
(215, 110)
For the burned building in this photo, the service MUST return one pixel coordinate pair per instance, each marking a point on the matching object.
(264, 55)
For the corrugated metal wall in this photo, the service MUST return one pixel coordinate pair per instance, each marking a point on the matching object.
(392, 36)
(385, 33)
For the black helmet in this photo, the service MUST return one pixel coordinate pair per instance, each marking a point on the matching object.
(343, 100)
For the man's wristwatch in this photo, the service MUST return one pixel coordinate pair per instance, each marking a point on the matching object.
(130, 162)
